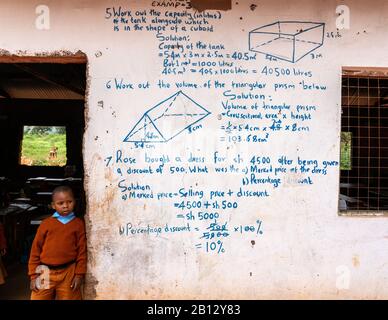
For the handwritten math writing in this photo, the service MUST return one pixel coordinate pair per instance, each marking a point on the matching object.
(259, 99)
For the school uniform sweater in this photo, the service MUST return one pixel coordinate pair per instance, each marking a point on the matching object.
(56, 243)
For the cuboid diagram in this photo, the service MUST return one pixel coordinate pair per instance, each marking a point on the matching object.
(287, 40)
(167, 119)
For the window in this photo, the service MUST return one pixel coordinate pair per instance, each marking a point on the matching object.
(43, 146)
(364, 140)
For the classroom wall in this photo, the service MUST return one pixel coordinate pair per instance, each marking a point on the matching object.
(234, 193)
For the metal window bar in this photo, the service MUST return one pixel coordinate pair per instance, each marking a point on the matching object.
(364, 116)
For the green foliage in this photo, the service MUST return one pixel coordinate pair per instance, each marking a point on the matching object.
(346, 151)
(41, 130)
(36, 149)
(61, 130)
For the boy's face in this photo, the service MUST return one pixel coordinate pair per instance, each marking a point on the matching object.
(63, 203)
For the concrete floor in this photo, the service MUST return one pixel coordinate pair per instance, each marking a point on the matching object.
(17, 284)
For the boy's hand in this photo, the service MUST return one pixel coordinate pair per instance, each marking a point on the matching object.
(77, 282)
(33, 286)
(3, 252)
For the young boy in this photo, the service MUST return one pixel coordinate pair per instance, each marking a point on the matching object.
(58, 252)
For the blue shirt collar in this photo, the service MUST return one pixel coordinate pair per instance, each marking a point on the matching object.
(64, 219)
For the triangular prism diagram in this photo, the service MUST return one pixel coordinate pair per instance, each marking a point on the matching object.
(167, 119)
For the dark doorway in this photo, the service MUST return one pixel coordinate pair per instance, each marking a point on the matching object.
(41, 134)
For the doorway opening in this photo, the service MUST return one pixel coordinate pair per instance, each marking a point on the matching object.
(42, 106)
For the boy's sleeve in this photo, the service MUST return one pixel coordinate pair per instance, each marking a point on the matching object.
(3, 241)
(80, 268)
(36, 250)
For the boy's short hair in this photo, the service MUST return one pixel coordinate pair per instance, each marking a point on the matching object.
(62, 189)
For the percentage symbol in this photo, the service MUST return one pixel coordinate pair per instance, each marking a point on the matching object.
(220, 247)
(259, 227)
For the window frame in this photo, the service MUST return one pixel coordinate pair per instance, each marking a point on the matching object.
(360, 72)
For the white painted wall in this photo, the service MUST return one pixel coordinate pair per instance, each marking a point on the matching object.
(306, 250)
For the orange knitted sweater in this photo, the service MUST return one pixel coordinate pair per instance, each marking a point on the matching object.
(56, 243)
